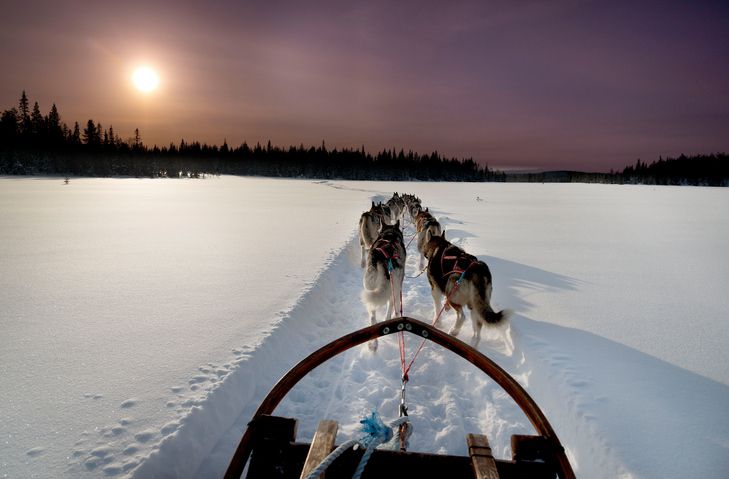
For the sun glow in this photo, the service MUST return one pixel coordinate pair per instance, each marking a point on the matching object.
(145, 79)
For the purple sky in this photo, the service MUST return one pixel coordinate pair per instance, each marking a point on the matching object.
(549, 85)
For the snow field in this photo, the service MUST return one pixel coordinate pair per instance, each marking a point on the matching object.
(617, 333)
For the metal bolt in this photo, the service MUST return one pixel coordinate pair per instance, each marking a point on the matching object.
(409, 327)
(425, 334)
(399, 326)
(386, 330)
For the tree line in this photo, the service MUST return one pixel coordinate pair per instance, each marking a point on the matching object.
(696, 170)
(32, 143)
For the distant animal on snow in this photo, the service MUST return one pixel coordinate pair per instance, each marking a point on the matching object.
(465, 281)
(384, 274)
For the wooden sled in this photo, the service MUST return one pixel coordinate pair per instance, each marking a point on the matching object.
(270, 441)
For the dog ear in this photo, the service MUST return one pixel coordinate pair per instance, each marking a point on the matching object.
(426, 209)
(397, 224)
(442, 235)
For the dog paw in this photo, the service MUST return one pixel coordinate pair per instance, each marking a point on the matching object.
(454, 332)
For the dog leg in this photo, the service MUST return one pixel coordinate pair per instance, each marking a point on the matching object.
(397, 306)
(364, 254)
(460, 317)
(390, 309)
(476, 323)
(437, 297)
(373, 320)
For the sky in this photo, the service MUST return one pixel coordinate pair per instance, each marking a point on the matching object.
(566, 84)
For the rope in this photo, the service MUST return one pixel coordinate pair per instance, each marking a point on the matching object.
(411, 240)
(392, 287)
(375, 434)
(324, 465)
(406, 370)
(418, 275)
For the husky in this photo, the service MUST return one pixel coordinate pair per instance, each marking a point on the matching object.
(383, 211)
(427, 227)
(369, 227)
(397, 207)
(465, 281)
(421, 217)
(384, 273)
(413, 207)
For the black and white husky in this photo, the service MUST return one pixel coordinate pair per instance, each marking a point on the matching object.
(384, 273)
(465, 281)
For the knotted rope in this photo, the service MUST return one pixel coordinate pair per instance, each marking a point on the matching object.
(375, 434)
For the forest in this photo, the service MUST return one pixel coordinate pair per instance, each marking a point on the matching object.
(35, 144)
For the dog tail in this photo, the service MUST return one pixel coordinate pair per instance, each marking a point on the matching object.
(493, 317)
(483, 306)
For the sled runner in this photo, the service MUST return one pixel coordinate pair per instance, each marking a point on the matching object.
(270, 442)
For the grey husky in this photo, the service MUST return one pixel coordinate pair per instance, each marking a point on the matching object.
(384, 274)
(369, 226)
(425, 223)
(397, 207)
(465, 281)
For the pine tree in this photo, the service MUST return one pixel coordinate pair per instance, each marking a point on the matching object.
(76, 135)
(9, 127)
(24, 114)
(112, 137)
(53, 126)
(90, 133)
(36, 122)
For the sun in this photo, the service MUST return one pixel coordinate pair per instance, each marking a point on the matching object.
(145, 79)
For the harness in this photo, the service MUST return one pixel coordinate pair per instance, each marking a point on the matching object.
(389, 256)
(462, 262)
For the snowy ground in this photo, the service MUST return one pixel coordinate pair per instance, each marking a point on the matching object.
(142, 321)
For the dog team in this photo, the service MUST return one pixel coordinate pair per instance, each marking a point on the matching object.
(461, 278)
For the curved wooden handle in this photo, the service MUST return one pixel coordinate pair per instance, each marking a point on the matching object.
(418, 328)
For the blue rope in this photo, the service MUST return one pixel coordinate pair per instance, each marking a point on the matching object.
(375, 433)
(319, 470)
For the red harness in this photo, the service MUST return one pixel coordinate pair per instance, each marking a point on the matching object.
(456, 269)
(388, 256)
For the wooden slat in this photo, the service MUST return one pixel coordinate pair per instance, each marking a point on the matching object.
(321, 446)
(482, 460)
